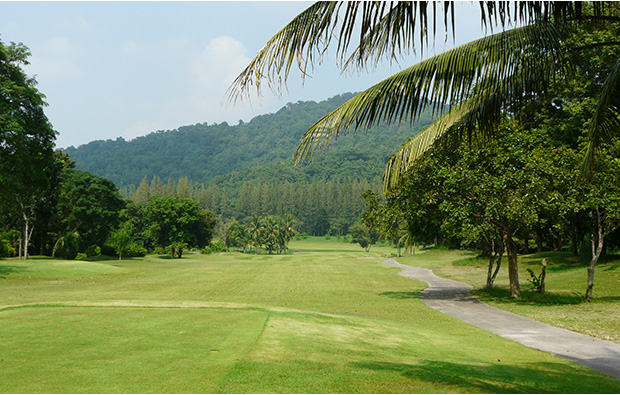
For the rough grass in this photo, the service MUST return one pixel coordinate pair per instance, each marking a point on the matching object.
(328, 318)
(562, 305)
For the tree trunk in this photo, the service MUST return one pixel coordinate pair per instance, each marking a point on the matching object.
(526, 246)
(172, 251)
(513, 268)
(27, 234)
(490, 271)
(574, 240)
(492, 275)
(543, 276)
(597, 248)
(539, 238)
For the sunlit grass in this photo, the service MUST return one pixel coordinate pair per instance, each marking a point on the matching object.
(325, 318)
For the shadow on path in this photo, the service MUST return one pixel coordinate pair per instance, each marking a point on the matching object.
(453, 298)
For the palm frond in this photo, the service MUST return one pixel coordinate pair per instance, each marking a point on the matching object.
(605, 124)
(473, 120)
(517, 63)
(383, 28)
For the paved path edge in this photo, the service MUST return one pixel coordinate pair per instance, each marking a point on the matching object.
(453, 298)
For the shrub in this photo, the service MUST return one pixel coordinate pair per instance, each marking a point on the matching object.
(215, 247)
(81, 256)
(93, 250)
(5, 248)
(300, 236)
(67, 246)
(136, 250)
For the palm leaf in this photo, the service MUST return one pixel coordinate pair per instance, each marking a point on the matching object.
(517, 63)
(383, 28)
(605, 124)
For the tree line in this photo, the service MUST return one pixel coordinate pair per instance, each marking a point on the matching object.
(50, 208)
(321, 207)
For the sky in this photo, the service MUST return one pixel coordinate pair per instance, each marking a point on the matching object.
(126, 69)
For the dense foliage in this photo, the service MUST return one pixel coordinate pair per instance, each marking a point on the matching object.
(524, 185)
(26, 143)
(261, 149)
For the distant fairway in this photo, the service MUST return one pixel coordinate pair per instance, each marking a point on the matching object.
(328, 318)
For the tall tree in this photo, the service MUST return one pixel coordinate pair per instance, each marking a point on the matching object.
(177, 223)
(26, 139)
(89, 205)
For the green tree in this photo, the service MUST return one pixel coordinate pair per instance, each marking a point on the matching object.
(364, 236)
(26, 140)
(122, 239)
(387, 219)
(89, 205)
(255, 232)
(176, 223)
(602, 201)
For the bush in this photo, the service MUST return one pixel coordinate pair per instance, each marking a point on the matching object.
(93, 250)
(5, 248)
(213, 248)
(81, 256)
(136, 250)
(300, 236)
(67, 246)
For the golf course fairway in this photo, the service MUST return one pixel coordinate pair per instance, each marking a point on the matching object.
(325, 318)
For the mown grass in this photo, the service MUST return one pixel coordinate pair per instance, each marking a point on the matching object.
(327, 318)
(562, 305)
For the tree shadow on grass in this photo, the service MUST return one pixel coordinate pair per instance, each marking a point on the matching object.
(168, 257)
(565, 261)
(8, 269)
(402, 295)
(500, 377)
(528, 297)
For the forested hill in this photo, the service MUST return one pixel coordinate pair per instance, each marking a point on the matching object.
(259, 149)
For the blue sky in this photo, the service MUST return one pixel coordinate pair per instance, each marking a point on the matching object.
(113, 69)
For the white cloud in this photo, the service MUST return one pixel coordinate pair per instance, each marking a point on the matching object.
(219, 64)
(73, 24)
(56, 60)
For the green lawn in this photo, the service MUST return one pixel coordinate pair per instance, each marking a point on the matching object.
(327, 318)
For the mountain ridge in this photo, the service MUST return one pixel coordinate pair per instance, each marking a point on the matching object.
(211, 153)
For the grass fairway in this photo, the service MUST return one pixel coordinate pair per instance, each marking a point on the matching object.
(327, 319)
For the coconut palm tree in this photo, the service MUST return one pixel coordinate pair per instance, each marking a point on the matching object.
(255, 232)
(480, 82)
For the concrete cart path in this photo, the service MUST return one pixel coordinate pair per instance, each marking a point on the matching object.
(453, 298)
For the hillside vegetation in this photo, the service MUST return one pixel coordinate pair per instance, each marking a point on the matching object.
(260, 149)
